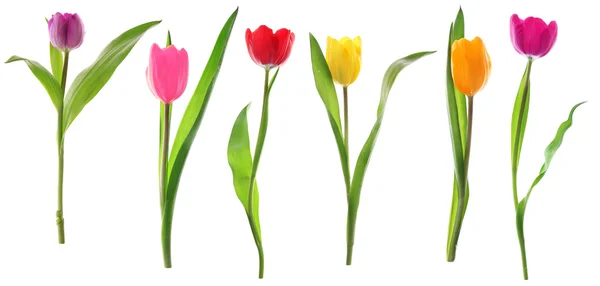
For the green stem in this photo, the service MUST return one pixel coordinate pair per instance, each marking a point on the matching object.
(351, 218)
(469, 132)
(164, 154)
(262, 133)
(166, 243)
(350, 231)
(461, 206)
(60, 220)
(523, 252)
(518, 138)
(346, 135)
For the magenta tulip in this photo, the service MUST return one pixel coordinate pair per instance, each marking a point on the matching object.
(167, 73)
(66, 31)
(532, 37)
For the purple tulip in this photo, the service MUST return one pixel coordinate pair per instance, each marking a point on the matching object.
(532, 37)
(66, 31)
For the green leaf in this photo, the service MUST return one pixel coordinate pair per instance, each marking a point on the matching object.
(240, 161)
(518, 125)
(458, 32)
(326, 89)
(56, 61)
(50, 83)
(457, 117)
(365, 154)
(191, 122)
(92, 79)
(548, 154)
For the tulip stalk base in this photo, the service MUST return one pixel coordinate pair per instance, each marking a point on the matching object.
(60, 220)
(350, 231)
(516, 151)
(262, 133)
(461, 208)
(166, 243)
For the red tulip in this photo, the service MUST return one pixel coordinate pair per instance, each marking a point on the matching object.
(269, 50)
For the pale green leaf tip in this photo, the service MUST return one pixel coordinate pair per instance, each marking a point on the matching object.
(12, 59)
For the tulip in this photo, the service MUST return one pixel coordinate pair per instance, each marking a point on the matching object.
(167, 72)
(66, 31)
(532, 37)
(471, 65)
(269, 50)
(167, 77)
(344, 59)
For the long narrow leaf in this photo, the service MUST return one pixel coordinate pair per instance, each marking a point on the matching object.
(56, 61)
(92, 79)
(326, 89)
(50, 83)
(548, 154)
(190, 123)
(365, 154)
(520, 110)
(458, 32)
(457, 116)
(240, 161)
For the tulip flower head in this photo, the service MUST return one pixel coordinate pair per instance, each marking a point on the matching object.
(66, 31)
(268, 49)
(344, 59)
(532, 37)
(471, 65)
(167, 72)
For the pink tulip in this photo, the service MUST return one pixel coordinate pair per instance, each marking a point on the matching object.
(532, 37)
(66, 31)
(167, 73)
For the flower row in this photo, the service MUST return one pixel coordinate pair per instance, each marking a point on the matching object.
(468, 70)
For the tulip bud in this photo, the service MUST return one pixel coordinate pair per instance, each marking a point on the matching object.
(268, 49)
(167, 73)
(471, 65)
(344, 59)
(532, 37)
(66, 31)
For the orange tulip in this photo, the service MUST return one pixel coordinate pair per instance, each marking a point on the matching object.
(471, 65)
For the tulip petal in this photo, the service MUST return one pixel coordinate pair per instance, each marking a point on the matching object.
(549, 39)
(348, 59)
(284, 39)
(263, 45)
(250, 45)
(516, 33)
(75, 31)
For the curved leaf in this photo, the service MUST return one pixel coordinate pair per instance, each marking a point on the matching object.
(92, 79)
(548, 154)
(326, 89)
(365, 154)
(190, 123)
(517, 127)
(240, 162)
(50, 83)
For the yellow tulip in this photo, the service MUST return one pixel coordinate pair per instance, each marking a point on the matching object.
(344, 59)
(471, 65)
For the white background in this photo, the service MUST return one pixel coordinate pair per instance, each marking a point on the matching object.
(111, 198)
